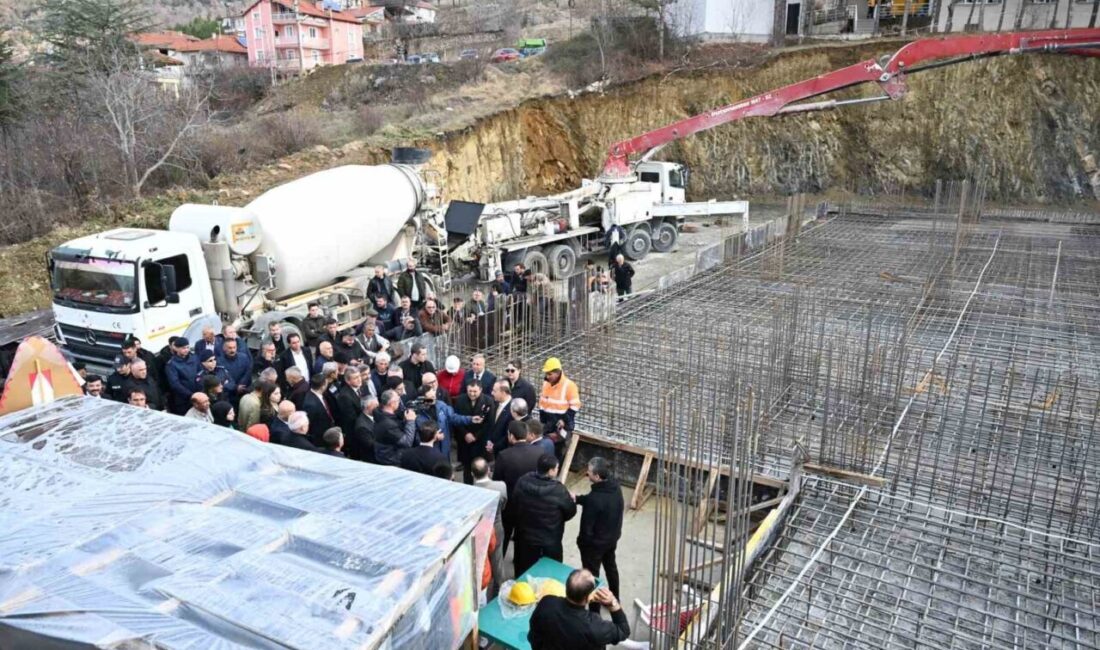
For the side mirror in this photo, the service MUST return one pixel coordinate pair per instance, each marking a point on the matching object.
(172, 298)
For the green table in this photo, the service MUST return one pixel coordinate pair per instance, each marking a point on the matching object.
(512, 632)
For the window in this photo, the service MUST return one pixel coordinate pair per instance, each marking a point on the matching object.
(316, 56)
(255, 16)
(313, 32)
(290, 30)
(181, 270)
(676, 178)
(651, 177)
(104, 283)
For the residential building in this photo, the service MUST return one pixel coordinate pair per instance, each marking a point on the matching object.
(371, 18)
(756, 20)
(177, 56)
(233, 25)
(296, 35)
(1005, 15)
(407, 11)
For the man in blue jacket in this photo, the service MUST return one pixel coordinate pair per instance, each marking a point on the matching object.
(239, 367)
(181, 371)
(444, 416)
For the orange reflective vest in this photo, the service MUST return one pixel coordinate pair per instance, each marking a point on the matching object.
(559, 398)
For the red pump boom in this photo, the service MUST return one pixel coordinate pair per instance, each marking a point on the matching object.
(889, 73)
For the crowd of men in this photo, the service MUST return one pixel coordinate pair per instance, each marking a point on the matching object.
(359, 394)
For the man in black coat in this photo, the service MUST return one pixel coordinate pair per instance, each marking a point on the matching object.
(298, 437)
(601, 523)
(477, 373)
(416, 365)
(542, 506)
(564, 624)
(360, 440)
(470, 439)
(316, 408)
(391, 435)
(425, 458)
(521, 388)
(496, 439)
(296, 354)
(348, 404)
(519, 459)
(139, 378)
(623, 273)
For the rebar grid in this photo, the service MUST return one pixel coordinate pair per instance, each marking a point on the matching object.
(908, 574)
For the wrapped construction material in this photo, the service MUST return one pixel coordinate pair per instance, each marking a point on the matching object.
(121, 525)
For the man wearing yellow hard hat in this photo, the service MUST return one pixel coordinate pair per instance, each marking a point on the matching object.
(558, 404)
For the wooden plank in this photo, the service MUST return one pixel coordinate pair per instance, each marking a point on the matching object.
(844, 474)
(563, 471)
(703, 510)
(640, 486)
(724, 470)
(646, 493)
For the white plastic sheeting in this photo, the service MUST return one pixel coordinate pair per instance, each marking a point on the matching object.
(121, 527)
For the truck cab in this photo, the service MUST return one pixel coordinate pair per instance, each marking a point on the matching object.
(150, 283)
(667, 180)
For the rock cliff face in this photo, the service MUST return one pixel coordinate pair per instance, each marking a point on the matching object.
(1032, 123)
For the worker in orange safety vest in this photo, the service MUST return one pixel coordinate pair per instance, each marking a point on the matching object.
(558, 404)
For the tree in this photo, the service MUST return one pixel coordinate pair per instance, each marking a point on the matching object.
(10, 73)
(659, 9)
(201, 27)
(144, 124)
(81, 33)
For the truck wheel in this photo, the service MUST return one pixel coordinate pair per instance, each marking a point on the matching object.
(563, 260)
(638, 244)
(646, 227)
(536, 261)
(664, 238)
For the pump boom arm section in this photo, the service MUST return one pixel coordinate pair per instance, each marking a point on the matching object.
(889, 73)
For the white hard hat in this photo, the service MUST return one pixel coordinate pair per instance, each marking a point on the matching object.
(452, 364)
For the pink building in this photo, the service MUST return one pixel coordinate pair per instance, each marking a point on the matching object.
(296, 35)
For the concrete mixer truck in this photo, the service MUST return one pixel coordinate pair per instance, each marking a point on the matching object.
(313, 239)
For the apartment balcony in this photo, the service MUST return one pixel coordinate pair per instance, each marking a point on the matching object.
(291, 17)
(315, 43)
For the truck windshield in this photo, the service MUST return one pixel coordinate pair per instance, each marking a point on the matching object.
(676, 178)
(95, 281)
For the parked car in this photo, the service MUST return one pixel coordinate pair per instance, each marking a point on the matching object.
(413, 59)
(531, 46)
(429, 57)
(504, 55)
(468, 55)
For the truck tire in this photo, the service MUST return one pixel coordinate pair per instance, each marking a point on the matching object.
(637, 245)
(530, 257)
(563, 261)
(665, 236)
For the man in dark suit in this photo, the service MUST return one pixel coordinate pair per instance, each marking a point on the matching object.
(425, 458)
(478, 373)
(317, 409)
(348, 405)
(471, 438)
(521, 457)
(496, 439)
(360, 440)
(521, 388)
(296, 354)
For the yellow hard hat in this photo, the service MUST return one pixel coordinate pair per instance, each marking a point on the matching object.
(551, 587)
(522, 594)
(553, 363)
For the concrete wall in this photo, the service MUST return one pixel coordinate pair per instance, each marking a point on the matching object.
(988, 16)
(744, 20)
